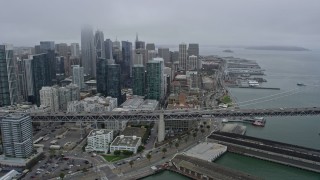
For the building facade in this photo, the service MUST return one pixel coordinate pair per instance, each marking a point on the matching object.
(78, 76)
(129, 143)
(16, 130)
(154, 83)
(87, 51)
(138, 87)
(8, 76)
(75, 49)
(108, 49)
(192, 63)
(183, 55)
(114, 81)
(164, 53)
(99, 140)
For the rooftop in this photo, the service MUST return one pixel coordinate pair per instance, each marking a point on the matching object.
(134, 131)
(15, 116)
(206, 151)
(96, 132)
(128, 141)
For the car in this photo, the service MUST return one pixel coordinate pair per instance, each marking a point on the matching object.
(163, 157)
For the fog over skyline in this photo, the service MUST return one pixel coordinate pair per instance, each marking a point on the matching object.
(207, 22)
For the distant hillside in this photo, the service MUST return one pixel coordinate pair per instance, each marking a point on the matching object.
(278, 48)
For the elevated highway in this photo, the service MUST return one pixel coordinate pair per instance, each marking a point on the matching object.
(172, 114)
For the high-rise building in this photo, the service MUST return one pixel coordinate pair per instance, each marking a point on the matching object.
(154, 77)
(8, 76)
(183, 55)
(22, 83)
(114, 81)
(108, 49)
(37, 49)
(67, 94)
(138, 87)
(151, 54)
(60, 64)
(75, 49)
(62, 49)
(16, 130)
(49, 97)
(165, 54)
(78, 76)
(193, 49)
(138, 59)
(99, 44)
(102, 76)
(192, 63)
(88, 59)
(46, 46)
(139, 44)
(150, 46)
(174, 56)
(29, 78)
(143, 54)
(127, 63)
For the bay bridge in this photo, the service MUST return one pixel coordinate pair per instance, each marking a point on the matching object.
(171, 114)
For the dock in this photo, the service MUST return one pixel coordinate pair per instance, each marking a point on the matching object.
(282, 153)
(254, 87)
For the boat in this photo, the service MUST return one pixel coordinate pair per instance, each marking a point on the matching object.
(300, 84)
(228, 51)
(225, 120)
(259, 123)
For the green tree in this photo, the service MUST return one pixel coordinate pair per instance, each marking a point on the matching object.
(179, 138)
(149, 156)
(202, 131)
(127, 153)
(186, 139)
(204, 122)
(170, 144)
(194, 135)
(176, 145)
(117, 152)
(208, 127)
(196, 130)
(52, 153)
(201, 126)
(164, 150)
(131, 163)
(140, 148)
(62, 175)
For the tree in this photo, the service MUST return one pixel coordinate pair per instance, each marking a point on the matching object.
(202, 131)
(179, 138)
(62, 175)
(140, 148)
(186, 139)
(194, 135)
(201, 126)
(164, 150)
(52, 153)
(117, 152)
(170, 144)
(204, 122)
(127, 153)
(196, 130)
(149, 156)
(177, 145)
(131, 163)
(208, 127)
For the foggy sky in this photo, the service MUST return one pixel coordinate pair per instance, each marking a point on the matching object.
(207, 22)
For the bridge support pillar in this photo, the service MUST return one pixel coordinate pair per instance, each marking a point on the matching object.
(161, 128)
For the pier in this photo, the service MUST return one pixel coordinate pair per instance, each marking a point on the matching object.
(287, 154)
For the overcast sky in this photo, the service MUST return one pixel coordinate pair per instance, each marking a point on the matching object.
(208, 22)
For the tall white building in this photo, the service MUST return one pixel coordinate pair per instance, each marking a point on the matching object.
(88, 51)
(49, 97)
(138, 59)
(75, 49)
(99, 140)
(183, 55)
(78, 76)
(68, 94)
(192, 63)
(16, 130)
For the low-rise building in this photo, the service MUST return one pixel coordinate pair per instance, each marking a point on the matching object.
(99, 140)
(137, 103)
(93, 104)
(129, 143)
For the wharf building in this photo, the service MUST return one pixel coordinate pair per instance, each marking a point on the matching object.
(87, 51)
(98, 140)
(8, 77)
(16, 130)
(129, 143)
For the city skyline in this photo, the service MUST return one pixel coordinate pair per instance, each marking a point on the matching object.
(209, 23)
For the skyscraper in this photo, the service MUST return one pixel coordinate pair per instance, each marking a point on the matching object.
(41, 74)
(75, 49)
(46, 45)
(193, 49)
(88, 59)
(22, 83)
(192, 63)
(102, 76)
(108, 49)
(164, 53)
(62, 49)
(138, 59)
(126, 65)
(8, 76)
(138, 86)
(114, 81)
(29, 79)
(154, 77)
(78, 76)
(150, 46)
(183, 55)
(139, 44)
(99, 44)
(16, 130)
(151, 54)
